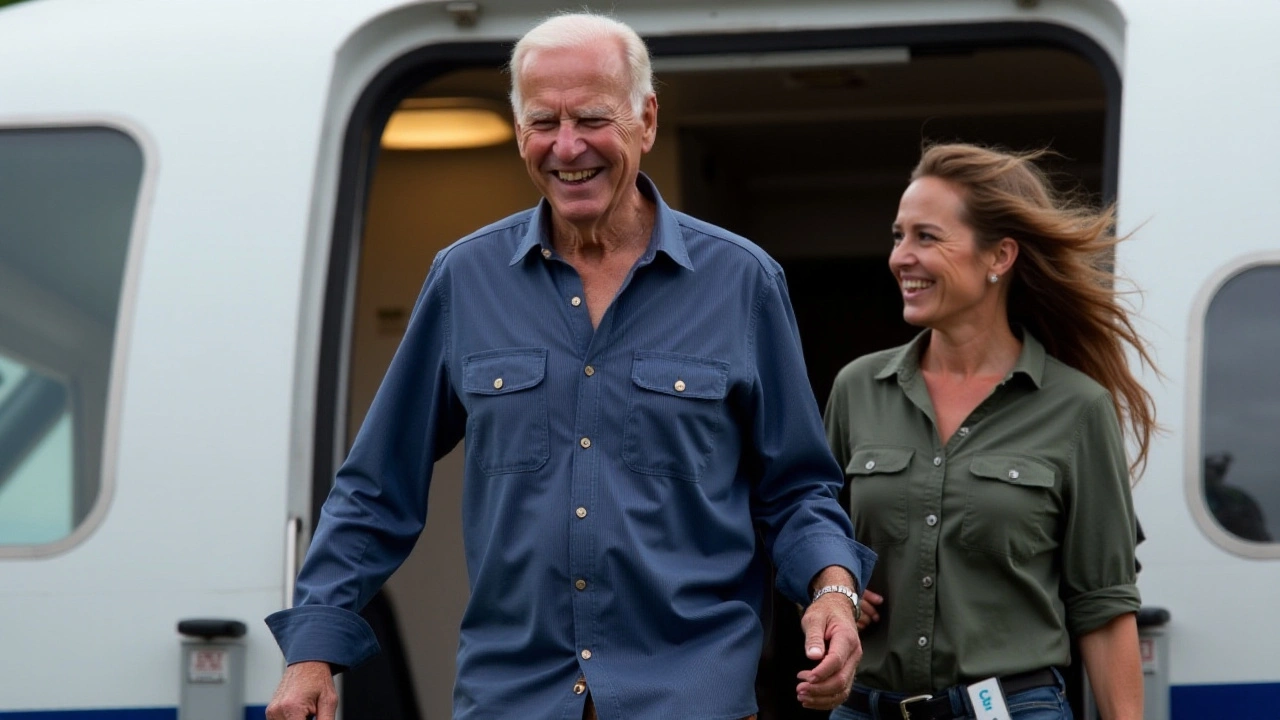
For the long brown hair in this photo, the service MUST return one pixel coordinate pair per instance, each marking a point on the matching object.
(1062, 286)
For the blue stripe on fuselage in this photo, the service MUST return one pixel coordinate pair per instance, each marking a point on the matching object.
(164, 713)
(1244, 701)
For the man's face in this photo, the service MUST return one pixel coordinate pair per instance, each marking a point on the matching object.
(577, 133)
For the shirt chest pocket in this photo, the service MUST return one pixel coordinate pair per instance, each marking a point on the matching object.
(506, 399)
(675, 411)
(879, 489)
(1010, 506)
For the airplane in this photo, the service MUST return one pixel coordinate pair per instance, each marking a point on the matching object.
(215, 217)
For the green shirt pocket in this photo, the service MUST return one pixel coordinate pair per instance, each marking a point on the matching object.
(1010, 506)
(878, 493)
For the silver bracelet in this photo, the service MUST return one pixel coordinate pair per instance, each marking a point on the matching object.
(843, 590)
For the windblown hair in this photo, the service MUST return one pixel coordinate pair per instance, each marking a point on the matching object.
(584, 29)
(1062, 286)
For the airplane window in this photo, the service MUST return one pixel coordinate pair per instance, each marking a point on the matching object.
(1241, 473)
(67, 201)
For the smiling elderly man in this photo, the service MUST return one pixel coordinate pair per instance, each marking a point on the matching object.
(634, 399)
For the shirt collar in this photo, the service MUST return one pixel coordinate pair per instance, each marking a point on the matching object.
(667, 237)
(905, 363)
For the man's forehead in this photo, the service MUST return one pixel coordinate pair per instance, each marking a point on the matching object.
(599, 67)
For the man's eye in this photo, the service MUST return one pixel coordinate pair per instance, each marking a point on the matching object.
(543, 125)
(593, 122)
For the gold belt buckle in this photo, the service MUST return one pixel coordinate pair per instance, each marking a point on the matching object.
(902, 706)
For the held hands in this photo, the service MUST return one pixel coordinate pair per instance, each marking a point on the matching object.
(831, 640)
(306, 690)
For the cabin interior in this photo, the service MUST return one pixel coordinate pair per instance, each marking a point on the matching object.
(804, 154)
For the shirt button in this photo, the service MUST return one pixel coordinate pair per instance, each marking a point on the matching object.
(546, 253)
(931, 520)
(927, 581)
(586, 654)
(922, 642)
(580, 584)
(964, 431)
(679, 386)
(585, 443)
(580, 512)
(580, 686)
(937, 461)
(589, 370)
(870, 465)
(497, 384)
(575, 301)
(1013, 474)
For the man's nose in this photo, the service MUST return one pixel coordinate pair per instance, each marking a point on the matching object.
(568, 142)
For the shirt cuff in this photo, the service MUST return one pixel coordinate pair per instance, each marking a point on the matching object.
(1089, 611)
(323, 633)
(799, 567)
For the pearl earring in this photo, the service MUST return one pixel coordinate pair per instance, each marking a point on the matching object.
(993, 278)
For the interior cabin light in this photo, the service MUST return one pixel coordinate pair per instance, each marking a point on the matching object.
(446, 124)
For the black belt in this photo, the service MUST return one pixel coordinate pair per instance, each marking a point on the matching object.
(938, 707)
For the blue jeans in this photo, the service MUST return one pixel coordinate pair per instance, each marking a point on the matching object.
(1042, 703)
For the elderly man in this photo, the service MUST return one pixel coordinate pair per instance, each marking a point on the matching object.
(633, 395)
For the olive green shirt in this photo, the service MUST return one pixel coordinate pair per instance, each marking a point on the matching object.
(996, 547)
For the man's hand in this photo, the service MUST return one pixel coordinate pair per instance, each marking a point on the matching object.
(831, 640)
(306, 689)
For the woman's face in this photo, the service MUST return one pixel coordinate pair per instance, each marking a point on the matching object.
(941, 272)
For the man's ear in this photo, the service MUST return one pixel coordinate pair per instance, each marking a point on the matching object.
(519, 138)
(649, 120)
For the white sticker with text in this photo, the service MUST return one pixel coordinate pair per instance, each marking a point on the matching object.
(988, 700)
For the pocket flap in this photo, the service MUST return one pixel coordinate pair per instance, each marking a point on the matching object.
(876, 460)
(1013, 469)
(681, 375)
(495, 372)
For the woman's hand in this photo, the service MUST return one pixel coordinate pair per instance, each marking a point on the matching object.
(869, 603)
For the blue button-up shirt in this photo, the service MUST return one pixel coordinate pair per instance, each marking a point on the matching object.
(616, 477)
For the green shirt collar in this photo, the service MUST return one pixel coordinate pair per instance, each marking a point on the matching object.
(906, 362)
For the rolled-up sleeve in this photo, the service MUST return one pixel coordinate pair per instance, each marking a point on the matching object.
(798, 481)
(378, 504)
(1099, 573)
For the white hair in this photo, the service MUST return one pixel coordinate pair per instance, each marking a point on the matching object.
(585, 29)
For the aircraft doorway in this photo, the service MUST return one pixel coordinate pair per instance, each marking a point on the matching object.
(808, 161)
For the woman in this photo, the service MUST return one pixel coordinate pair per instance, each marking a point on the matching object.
(985, 459)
